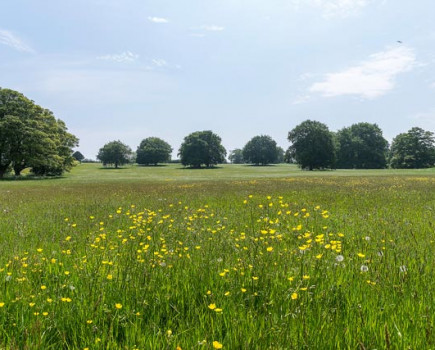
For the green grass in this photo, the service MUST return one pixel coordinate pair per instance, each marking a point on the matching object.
(176, 241)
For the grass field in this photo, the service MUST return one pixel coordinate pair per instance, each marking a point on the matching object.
(237, 257)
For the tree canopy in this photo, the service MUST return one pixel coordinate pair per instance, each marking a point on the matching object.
(202, 148)
(78, 156)
(260, 150)
(153, 150)
(361, 146)
(236, 156)
(312, 145)
(413, 149)
(114, 152)
(31, 137)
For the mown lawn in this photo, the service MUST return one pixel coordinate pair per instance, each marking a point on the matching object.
(240, 257)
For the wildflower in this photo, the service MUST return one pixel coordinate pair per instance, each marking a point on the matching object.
(339, 258)
(39, 250)
(403, 268)
(269, 249)
(218, 310)
(217, 345)
(305, 277)
(243, 290)
(45, 313)
(227, 294)
(109, 277)
(2, 304)
(361, 255)
(364, 268)
(212, 306)
(118, 306)
(49, 300)
(169, 332)
(319, 256)
(208, 292)
(255, 278)
(294, 296)
(89, 321)
(43, 287)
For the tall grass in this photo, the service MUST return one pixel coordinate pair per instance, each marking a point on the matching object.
(289, 262)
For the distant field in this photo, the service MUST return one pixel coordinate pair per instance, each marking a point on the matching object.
(240, 257)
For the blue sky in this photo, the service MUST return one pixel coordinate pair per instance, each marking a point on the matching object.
(130, 69)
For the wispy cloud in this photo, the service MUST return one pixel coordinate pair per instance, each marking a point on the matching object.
(212, 28)
(158, 19)
(124, 57)
(9, 39)
(336, 8)
(371, 78)
(159, 62)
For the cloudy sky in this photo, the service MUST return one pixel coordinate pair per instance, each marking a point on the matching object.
(130, 69)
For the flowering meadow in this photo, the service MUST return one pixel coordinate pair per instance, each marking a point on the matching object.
(315, 262)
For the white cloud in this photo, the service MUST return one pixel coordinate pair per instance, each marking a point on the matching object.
(124, 57)
(212, 28)
(336, 8)
(158, 20)
(9, 39)
(159, 62)
(371, 78)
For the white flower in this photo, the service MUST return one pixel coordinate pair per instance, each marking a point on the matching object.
(339, 258)
(367, 238)
(403, 268)
(364, 268)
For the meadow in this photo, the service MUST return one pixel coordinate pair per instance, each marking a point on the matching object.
(237, 257)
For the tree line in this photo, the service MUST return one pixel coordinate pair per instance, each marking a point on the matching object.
(31, 137)
(313, 146)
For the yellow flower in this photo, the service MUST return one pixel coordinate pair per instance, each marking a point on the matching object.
(43, 287)
(118, 306)
(218, 310)
(49, 300)
(39, 250)
(31, 304)
(294, 296)
(45, 313)
(269, 249)
(109, 277)
(361, 255)
(227, 294)
(319, 256)
(2, 304)
(212, 306)
(89, 321)
(217, 345)
(208, 292)
(243, 290)
(305, 277)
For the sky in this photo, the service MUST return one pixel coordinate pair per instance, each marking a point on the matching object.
(131, 69)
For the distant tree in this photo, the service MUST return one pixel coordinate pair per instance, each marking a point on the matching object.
(153, 150)
(312, 145)
(288, 156)
(115, 153)
(78, 156)
(361, 146)
(280, 155)
(260, 150)
(413, 149)
(236, 156)
(31, 136)
(202, 147)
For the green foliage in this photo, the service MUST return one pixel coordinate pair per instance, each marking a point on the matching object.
(236, 156)
(280, 158)
(115, 153)
(30, 136)
(153, 150)
(412, 150)
(78, 156)
(202, 147)
(312, 145)
(260, 150)
(361, 146)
